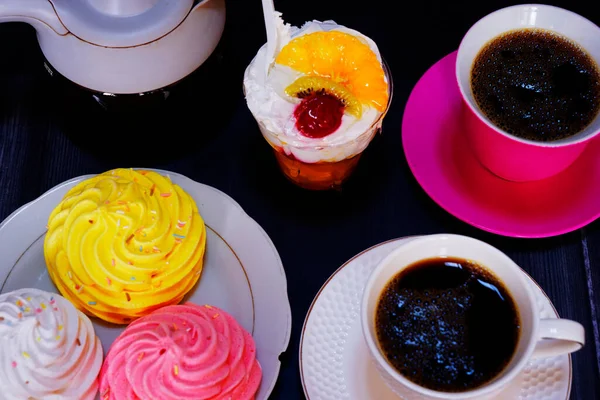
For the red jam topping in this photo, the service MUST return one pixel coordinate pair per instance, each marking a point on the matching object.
(319, 115)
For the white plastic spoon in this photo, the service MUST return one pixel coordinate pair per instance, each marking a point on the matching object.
(269, 13)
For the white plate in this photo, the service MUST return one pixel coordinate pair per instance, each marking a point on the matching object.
(242, 272)
(334, 359)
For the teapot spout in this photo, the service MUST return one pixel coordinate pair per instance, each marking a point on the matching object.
(38, 13)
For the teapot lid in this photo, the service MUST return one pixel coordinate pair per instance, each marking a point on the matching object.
(121, 23)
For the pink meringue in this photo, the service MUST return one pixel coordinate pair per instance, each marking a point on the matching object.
(182, 352)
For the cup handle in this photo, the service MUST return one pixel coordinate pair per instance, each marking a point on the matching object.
(558, 336)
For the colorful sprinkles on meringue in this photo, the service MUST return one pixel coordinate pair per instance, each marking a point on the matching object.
(139, 245)
(121, 378)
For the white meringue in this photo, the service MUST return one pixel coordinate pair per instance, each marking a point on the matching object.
(48, 349)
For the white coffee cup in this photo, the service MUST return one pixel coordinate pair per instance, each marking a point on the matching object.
(538, 337)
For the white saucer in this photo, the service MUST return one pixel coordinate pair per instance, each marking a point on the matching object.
(334, 360)
(242, 273)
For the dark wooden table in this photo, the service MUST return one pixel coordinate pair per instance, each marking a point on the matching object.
(48, 135)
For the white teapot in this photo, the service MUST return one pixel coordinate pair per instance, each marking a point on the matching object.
(122, 46)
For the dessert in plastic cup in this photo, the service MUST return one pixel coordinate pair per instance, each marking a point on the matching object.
(182, 352)
(124, 243)
(322, 101)
(48, 348)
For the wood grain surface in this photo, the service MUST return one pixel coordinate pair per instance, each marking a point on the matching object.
(48, 134)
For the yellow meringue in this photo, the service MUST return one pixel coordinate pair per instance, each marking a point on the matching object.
(125, 243)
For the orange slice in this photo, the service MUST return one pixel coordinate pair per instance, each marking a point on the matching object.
(343, 58)
(307, 85)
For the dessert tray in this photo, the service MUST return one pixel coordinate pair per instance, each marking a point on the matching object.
(334, 360)
(242, 274)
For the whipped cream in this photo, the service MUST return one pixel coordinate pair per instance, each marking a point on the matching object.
(273, 110)
(48, 349)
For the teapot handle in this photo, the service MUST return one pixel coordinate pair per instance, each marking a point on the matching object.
(39, 13)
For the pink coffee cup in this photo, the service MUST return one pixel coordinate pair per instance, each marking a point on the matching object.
(505, 155)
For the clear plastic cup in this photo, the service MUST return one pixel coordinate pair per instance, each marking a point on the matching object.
(340, 161)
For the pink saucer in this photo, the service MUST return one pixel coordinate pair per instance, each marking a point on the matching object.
(444, 166)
